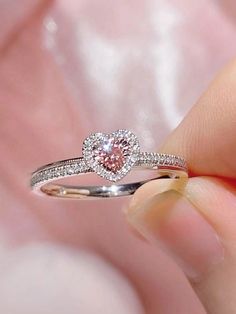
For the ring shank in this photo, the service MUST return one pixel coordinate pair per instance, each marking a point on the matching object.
(100, 191)
(44, 180)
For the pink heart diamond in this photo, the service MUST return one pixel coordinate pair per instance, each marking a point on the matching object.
(111, 156)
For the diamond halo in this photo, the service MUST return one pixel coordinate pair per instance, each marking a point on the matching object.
(112, 155)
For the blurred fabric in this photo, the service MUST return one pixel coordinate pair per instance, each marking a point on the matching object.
(138, 64)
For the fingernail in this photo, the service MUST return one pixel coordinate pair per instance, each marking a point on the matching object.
(172, 222)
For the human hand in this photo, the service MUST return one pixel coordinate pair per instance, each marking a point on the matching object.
(196, 223)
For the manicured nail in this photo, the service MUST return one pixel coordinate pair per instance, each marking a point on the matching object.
(170, 220)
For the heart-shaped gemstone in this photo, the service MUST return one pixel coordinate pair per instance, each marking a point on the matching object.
(111, 156)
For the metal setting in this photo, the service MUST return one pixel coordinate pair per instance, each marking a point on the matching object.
(112, 157)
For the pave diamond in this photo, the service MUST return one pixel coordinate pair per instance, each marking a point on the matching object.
(111, 156)
(67, 168)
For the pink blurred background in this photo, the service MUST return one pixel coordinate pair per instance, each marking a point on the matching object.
(68, 68)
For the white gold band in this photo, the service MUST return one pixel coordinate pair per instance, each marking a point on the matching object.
(111, 156)
(42, 179)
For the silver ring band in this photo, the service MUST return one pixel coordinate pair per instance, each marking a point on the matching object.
(112, 163)
(42, 179)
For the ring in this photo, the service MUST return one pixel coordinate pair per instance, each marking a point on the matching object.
(111, 156)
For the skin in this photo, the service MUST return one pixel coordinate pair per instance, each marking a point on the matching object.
(208, 129)
(33, 236)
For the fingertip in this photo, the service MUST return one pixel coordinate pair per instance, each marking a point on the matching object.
(168, 218)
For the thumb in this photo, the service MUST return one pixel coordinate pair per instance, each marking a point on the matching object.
(195, 223)
(206, 137)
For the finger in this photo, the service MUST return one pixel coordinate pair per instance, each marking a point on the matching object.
(197, 228)
(206, 137)
(195, 222)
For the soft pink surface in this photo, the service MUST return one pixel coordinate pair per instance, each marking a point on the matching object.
(82, 67)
